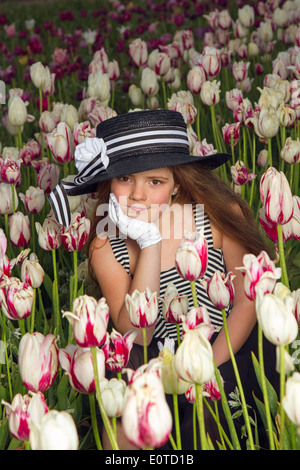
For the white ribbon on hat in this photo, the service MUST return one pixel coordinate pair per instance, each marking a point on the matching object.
(87, 150)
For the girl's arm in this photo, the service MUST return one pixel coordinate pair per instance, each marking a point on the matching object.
(242, 317)
(115, 282)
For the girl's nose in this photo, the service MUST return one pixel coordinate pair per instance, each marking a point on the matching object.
(138, 192)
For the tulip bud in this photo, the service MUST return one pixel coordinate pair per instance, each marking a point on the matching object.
(17, 112)
(19, 229)
(138, 52)
(33, 200)
(290, 152)
(69, 115)
(240, 70)
(290, 401)
(89, 321)
(172, 383)
(135, 95)
(275, 316)
(49, 235)
(16, 298)
(220, 289)
(174, 305)
(82, 130)
(10, 171)
(46, 122)
(147, 420)
(61, 143)
(117, 349)
(259, 273)
(191, 256)
(231, 133)
(195, 79)
(74, 237)
(246, 15)
(38, 361)
(22, 410)
(149, 83)
(56, 431)
(6, 199)
(99, 87)
(210, 93)
(240, 174)
(198, 317)
(114, 395)
(32, 272)
(48, 177)
(78, 364)
(40, 75)
(276, 196)
(142, 308)
(194, 358)
(211, 61)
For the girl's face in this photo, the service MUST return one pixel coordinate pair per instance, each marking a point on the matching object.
(144, 195)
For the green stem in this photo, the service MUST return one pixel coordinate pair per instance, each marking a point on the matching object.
(215, 415)
(177, 423)
(104, 416)
(13, 197)
(264, 388)
(75, 264)
(194, 425)
(198, 120)
(270, 152)
(194, 293)
(6, 357)
(284, 275)
(200, 415)
(253, 169)
(145, 345)
(239, 384)
(94, 421)
(32, 315)
(282, 383)
(55, 295)
(178, 333)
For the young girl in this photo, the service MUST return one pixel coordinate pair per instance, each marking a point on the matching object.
(146, 171)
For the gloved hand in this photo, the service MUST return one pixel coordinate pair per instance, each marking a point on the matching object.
(144, 233)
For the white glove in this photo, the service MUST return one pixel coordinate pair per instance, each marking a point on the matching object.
(144, 233)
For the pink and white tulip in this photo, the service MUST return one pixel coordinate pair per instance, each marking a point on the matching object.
(78, 365)
(146, 419)
(220, 289)
(38, 361)
(75, 236)
(19, 229)
(16, 298)
(56, 431)
(174, 306)
(191, 256)
(89, 320)
(33, 200)
(61, 143)
(276, 196)
(259, 273)
(142, 308)
(117, 349)
(22, 410)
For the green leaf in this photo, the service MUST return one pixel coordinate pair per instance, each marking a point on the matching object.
(4, 433)
(272, 395)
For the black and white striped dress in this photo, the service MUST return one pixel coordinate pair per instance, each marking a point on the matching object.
(215, 263)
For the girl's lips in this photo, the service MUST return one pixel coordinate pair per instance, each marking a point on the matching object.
(137, 208)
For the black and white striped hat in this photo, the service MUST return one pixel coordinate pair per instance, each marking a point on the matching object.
(126, 144)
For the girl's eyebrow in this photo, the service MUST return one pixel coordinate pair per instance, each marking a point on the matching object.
(157, 177)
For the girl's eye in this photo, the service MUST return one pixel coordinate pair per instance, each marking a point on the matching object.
(155, 182)
(124, 179)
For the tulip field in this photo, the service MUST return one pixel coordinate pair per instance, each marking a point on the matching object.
(232, 68)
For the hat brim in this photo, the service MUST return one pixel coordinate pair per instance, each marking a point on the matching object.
(139, 163)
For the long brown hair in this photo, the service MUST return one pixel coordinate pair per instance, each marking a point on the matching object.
(220, 203)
